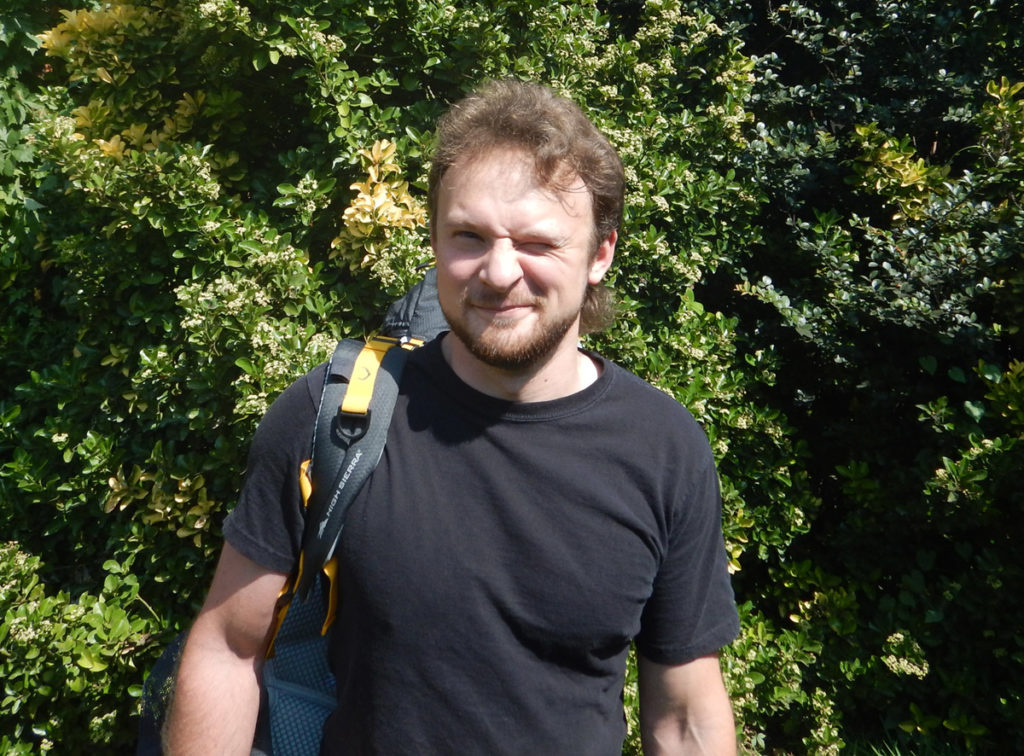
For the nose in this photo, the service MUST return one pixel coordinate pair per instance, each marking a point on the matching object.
(500, 269)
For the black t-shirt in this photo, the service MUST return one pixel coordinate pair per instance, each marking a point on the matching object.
(500, 559)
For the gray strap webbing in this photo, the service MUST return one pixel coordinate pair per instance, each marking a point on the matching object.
(346, 449)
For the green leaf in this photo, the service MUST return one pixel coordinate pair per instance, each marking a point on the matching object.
(975, 409)
(991, 373)
(91, 661)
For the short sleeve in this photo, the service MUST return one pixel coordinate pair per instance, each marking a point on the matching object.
(692, 610)
(266, 525)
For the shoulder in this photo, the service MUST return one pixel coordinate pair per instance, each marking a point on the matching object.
(266, 525)
(656, 434)
(649, 405)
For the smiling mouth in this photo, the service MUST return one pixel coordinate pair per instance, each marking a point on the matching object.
(502, 315)
(501, 308)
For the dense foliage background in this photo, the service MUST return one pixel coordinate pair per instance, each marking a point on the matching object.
(822, 259)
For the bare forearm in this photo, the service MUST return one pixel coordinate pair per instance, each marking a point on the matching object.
(215, 704)
(685, 709)
(708, 737)
(217, 697)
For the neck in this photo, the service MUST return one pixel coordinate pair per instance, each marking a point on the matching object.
(566, 371)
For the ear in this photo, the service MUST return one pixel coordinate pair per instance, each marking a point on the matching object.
(603, 257)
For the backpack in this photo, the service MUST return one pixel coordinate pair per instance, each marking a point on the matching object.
(359, 393)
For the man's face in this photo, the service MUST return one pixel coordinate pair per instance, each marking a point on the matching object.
(514, 259)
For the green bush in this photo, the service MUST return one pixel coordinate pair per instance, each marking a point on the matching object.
(821, 259)
(66, 660)
(885, 283)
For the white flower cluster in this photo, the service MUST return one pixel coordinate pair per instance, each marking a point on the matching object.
(644, 72)
(278, 363)
(13, 561)
(316, 41)
(279, 366)
(254, 404)
(666, 64)
(660, 27)
(64, 127)
(207, 14)
(320, 347)
(309, 200)
(661, 203)
(826, 735)
(101, 723)
(394, 262)
(287, 49)
(732, 119)
(627, 141)
(275, 258)
(25, 632)
(195, 167)
(907, 657)
(223, 11)
(226, 295)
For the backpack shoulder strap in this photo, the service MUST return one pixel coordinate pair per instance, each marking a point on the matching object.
(358, 398)
(356, 404)
(351, 428)
(418, 314)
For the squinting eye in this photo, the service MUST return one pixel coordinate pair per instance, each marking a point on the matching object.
(536, 246)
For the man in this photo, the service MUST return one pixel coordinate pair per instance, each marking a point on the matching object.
(535, 510)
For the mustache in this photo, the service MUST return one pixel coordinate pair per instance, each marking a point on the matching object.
(497, 301)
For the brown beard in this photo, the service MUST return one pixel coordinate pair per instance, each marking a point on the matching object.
(513, 357)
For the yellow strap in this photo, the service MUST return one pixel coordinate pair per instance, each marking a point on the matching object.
(364, 373)
(333, 589)
(305, 486)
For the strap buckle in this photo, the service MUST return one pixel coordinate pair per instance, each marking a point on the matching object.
(352, 426)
